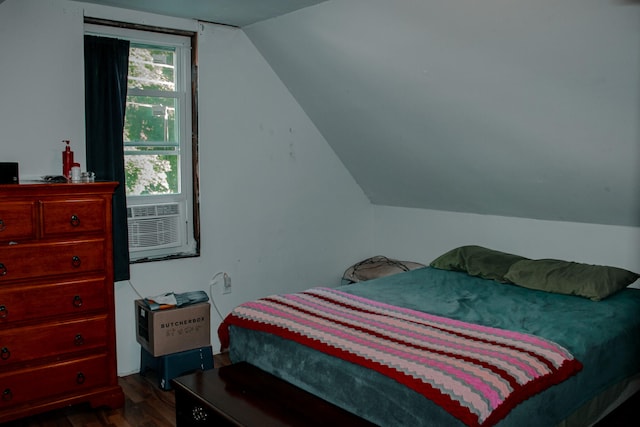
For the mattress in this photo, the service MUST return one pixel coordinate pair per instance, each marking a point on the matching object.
(604, 336)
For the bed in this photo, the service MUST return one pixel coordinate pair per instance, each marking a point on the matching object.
(587, 344)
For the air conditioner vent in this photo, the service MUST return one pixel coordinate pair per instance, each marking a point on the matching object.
(153, 210)
(154, 226)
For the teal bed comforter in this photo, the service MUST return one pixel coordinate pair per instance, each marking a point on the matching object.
(603, 335)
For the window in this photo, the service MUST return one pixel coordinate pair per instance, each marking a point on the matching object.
(158, 137)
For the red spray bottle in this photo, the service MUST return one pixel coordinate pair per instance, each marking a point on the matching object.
(67, 160)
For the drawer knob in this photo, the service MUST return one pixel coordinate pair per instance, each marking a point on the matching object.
(2, 227)
(80, 378)
(77, 301)
(75, 221)
(75, 261)
(3, 269)
(7, 394)
(199, 414)
(4, 312)
(78, 340)
(5, 353)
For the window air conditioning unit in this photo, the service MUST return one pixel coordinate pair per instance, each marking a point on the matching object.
(154, 226)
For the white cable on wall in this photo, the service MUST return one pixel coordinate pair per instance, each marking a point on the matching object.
(212, 282)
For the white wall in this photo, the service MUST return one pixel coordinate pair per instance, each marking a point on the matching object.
(41, 84)
(422, 235)
(279, 210)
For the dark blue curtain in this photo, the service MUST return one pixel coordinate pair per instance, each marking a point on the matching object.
(106, 66)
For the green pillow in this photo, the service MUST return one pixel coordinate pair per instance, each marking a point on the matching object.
(571, 278)
(477, 261)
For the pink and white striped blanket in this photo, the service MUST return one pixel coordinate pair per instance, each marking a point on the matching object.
(476, 373)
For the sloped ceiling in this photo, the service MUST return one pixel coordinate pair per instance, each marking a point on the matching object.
(514, 108)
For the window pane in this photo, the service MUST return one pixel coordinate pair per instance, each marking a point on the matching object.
(153, 173)
(152, 67)
(150, 119)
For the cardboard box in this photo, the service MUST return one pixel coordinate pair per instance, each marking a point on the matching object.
(170, 331)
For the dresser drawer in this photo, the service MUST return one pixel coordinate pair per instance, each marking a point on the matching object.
(52, 339)
(17, 221)
(73, 216)
(45, 259)
(47, 381)
(28, 302)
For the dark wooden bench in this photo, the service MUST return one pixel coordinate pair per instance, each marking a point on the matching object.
(243, 395)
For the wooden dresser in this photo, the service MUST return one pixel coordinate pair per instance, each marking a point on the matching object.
(57, 322)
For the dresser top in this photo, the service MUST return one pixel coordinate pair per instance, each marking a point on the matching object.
(39, 187)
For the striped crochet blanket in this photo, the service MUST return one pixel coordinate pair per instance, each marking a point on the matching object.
(476, 373)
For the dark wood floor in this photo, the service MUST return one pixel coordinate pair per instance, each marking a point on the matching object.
(146, 405)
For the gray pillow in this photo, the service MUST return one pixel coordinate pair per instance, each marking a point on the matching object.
(477, 261)
(571, 278)
(377, 266)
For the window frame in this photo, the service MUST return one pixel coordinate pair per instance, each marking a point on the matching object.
(189, 191)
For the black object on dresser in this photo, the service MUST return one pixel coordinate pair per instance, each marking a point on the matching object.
(243, 395)
(9, 173)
